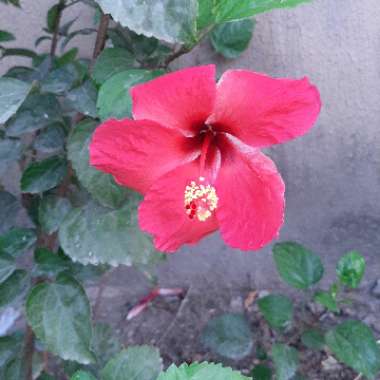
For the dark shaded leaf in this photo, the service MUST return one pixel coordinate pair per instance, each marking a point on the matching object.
(52, 211)
(17, 241)
(43, 175)
(59, 314)
(228, 335)
(232, 38)
(277, 310)
(285, 360)
(83, 99)
(354, 344)
(13, 287)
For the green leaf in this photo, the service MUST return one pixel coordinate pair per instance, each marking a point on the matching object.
(277, 310)
(43, 175)
(296, 265)
(7, 266)
(17, 241)
(104, 344)
(51, 139)
(13, 93)
(228, 335)
(232, 38)
(45, 376)
(100, 185)
(354, 344)
(313, 339)
(10, 208)
(15, 369)
(82, 375)
(13, 287)
(134, 363)
(350, 269)
(52, 211)
(10, 151)
(327, 300)
(227, 10)
(18, 53)
(9, 346)
(59, 314)
(261, 372)
(169, 20)
(114, 99)
(200, 371)
(83, 99)
(6, 36)
(95, 234)
(49, 263)
(61, 80)
(285, 361)
(38, 111)
(53, 17)
(110, 62)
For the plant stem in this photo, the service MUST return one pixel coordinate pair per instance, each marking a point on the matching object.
(28, 353)
(54, 42)
(102, 35)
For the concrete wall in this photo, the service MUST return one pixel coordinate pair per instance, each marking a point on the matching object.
(332, 174)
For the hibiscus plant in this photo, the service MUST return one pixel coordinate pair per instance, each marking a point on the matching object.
(119, 160)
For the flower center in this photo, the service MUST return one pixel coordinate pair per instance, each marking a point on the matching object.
(200, 200)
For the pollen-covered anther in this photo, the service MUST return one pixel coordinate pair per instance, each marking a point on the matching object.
(200, 200)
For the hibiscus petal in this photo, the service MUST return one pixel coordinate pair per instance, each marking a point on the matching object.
(181, 100)
(136, 153)
(251, 196)
(163, 214)
(261, 110)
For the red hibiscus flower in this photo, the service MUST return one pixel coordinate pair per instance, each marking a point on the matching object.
(193, 151)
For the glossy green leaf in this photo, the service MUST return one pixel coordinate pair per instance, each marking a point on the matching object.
(51, 212)
(7, 266)
(6, 36)
(232, 38)
(350, 269)
(134, 363)
(100, 185)
(228, 335)
(114, 99)
(169, 20)
(296, 265)
(277, 310)
(200, 371)
(285, 359)
(227, 10)
(327, 300)
(13, 93)
(59, 314)
(17, 241)
(261, 372)
(110, 62)
(43, 175)
(355, 345)
(13, 287)
(10, 208)
(37, 112)
(83, 99)
(82, 375)
(95, 234)
(313, 339)
(51, 139)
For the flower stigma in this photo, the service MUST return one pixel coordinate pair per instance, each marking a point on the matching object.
(200, 200)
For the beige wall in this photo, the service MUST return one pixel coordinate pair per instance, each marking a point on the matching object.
(27, 23)
(332, 174)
